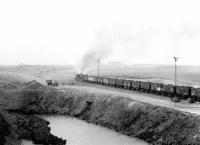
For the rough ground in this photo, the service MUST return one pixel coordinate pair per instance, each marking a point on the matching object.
(14, 125)
(137, 96)
(154, 124)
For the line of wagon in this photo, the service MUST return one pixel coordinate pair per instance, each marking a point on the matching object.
(169, 90)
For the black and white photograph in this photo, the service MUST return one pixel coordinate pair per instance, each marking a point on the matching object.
(99, 72)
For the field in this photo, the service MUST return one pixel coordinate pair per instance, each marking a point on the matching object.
(186, 75)
(24, 73)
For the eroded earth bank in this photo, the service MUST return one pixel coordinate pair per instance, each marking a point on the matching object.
(154, 124)
(15, 125)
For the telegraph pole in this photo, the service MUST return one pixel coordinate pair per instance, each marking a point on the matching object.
(98, 68)
(175, 60)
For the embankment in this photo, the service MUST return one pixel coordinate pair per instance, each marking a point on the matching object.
(154, 124)
(15, 125)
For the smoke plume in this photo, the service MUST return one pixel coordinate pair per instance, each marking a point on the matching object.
(139, 44)
(100, 50)
(107, 41)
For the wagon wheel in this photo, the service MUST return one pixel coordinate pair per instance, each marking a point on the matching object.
(176, 99)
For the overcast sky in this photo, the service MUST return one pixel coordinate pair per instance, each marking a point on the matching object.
(134, 31)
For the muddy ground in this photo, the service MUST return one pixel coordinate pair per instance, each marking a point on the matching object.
(15, 125)
(155, 124)
(152, 123)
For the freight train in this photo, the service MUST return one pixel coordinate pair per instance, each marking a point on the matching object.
(176, 93)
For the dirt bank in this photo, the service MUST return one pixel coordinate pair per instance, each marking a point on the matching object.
(138, 96)
(14, 125)
(154, 124)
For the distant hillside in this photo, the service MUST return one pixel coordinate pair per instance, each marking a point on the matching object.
(33, 72)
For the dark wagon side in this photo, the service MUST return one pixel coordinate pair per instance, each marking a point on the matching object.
(195, 94)
(145, 86)
(99, 80)
(127, 84)
(157, 88)
(184, 92)
(135, 85)
(105, 81)
(91, 79)
(111, 82)
(119, 83)
(85, 78)
(168, 90)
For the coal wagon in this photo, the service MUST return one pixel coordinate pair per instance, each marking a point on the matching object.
(168, 90)
(195, 94)
(184, 92)
(119, 83)
(157, 88)
(127, 84)
(145, 86)
(136, 85)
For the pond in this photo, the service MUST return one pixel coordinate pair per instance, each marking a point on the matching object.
(78, 132)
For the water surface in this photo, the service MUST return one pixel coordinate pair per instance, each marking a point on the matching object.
(78, 132)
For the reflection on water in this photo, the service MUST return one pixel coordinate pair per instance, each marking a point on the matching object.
(78, 132)
(26, 142)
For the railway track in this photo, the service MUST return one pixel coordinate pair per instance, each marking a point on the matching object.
(135, 96)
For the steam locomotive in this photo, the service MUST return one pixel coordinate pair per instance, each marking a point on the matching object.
(169, 90)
